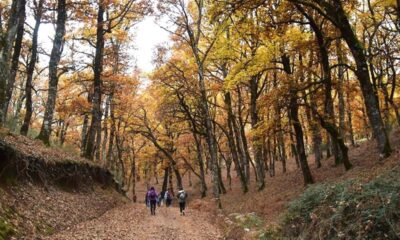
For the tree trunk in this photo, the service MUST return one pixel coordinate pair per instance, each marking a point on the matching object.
(165, 180)
(31, 69)
(370, 99)
(15, 57)
(18, 107)
(6, 44)
(171, 185)
(98, 68)
(133, 173)
(315, 133)
(84, 133)
(199, 151)
(231, 142)
(294, 114)
(105, 129)
(256, 139)
(222, 189)
(334, 132)
(341, 102)
(55, 57)
(210, 137)
(326, 77)
(109, 159)
(246, 155)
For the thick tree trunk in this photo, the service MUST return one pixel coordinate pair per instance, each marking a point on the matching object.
(98, 68)
(15, 57)
(6, 44)
(370, 99)
(31, 69)
(58, 44)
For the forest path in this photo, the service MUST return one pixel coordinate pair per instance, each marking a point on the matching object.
(133, 221)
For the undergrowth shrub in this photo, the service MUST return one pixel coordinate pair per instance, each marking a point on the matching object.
(346, 210)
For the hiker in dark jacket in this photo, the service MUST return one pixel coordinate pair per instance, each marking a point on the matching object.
(182, 196)
(167, 198)
(152, 197)
(160, 198)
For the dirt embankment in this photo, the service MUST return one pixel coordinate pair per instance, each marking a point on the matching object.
(45, 190)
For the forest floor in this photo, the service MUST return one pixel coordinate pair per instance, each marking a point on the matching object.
(133, 221)
(96, 213)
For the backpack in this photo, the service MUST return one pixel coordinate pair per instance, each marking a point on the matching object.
(152, 195)
(182, 196)
(168, 196)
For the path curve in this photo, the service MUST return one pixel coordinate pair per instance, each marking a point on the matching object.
(133, 221)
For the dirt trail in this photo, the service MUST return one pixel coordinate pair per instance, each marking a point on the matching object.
(133, 221)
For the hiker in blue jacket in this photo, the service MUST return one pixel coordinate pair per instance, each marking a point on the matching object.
(152, 197)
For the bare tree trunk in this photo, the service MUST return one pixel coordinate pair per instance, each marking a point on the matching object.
(370, 99)
(222, 189)
(31, 69)
(18, 107)
(6, 44)
(109, 158)
(308, 179)
(84, 133)
(171, 185)
(232, 144)
(341, 102)
(165, 181)
(15, 56)
(199, 151)
(58, 45)
(105, 129)
(256, 140)
(98, 67)
(294, 116)
(246, 155)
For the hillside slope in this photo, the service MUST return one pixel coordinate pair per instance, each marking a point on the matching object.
(45, 190)
(248, 215)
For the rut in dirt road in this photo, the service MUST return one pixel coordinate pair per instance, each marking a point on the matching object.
(133, 221)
